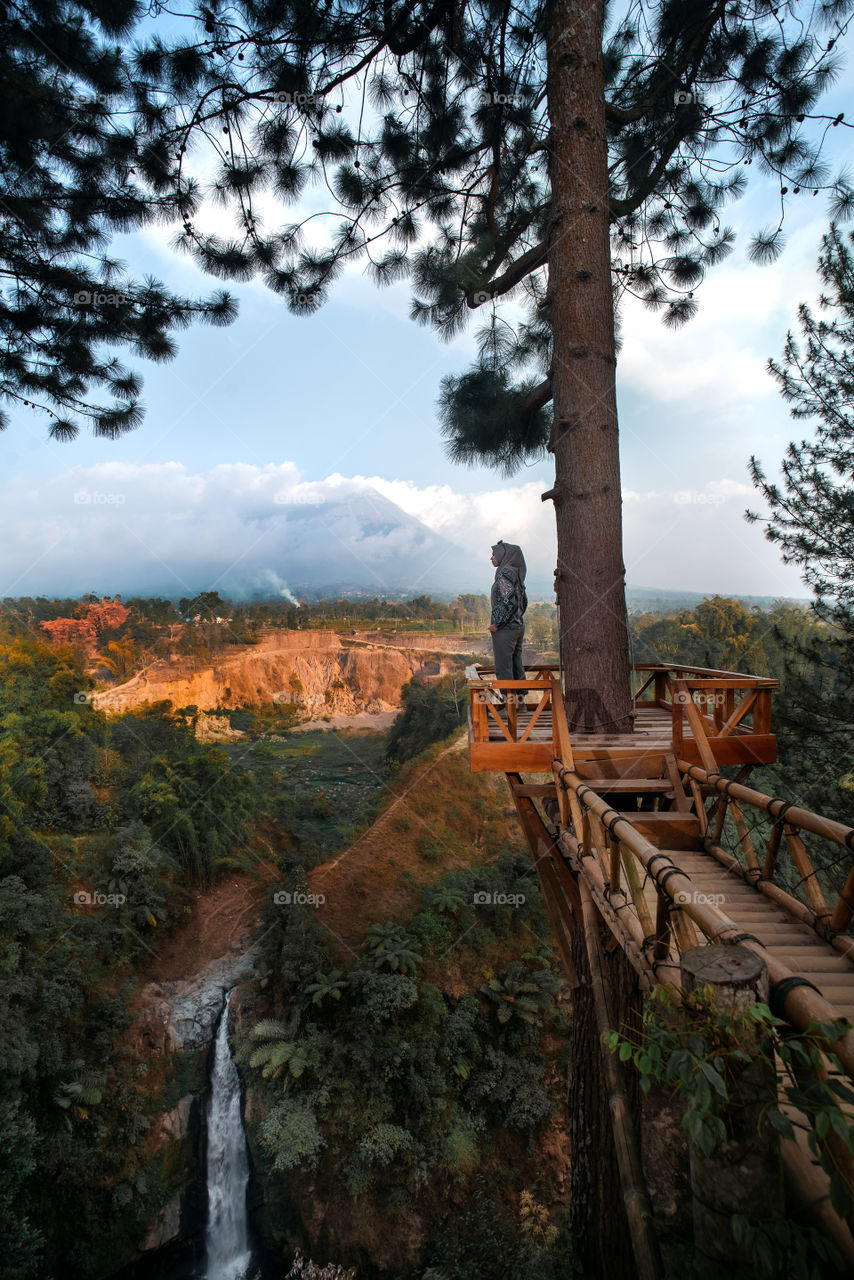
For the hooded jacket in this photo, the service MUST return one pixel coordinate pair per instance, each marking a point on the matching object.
(508, 597)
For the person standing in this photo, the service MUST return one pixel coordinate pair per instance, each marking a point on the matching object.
(509, 602)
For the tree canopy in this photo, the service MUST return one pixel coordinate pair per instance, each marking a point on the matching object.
(812, 509)
(811, 519)
(419, 137)
(75, 165)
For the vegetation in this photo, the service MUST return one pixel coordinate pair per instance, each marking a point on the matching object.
(721, 1063)
(373, 1078)
(76, 169)
(811, 520)
(430, 713)
(104, 828)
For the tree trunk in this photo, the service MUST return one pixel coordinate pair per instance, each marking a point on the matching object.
(591, 575)
(600, 1240)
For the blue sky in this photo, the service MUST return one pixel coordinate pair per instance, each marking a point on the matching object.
(350, 394)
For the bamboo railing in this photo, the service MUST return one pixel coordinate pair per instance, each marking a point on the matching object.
(615, 859)
(782, 833)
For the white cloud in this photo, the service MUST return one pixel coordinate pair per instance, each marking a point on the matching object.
(247, 530)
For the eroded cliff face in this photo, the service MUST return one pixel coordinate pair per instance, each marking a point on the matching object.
(310, 672)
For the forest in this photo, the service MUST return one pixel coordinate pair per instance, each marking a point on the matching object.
(110, 827)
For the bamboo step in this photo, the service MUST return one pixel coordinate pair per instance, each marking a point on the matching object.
(671, 828)
(633, 786)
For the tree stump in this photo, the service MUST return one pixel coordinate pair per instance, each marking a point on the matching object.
(744, 1174)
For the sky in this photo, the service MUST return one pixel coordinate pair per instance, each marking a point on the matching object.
(344, 403)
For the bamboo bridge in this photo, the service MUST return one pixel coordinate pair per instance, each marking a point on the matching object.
(642, 833)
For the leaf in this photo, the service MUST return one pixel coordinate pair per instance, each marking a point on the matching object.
(839, 1196)
(625, 1051)
(781, 1123)
(714, 1078)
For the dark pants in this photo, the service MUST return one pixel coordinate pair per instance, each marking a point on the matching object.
(507, 648)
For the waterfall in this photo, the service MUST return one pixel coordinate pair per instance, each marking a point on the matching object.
(227, 1239)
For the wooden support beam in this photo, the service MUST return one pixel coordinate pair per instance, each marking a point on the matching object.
(698, 725)
(626, 1144)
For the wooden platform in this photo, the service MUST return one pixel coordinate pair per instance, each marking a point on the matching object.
(533, 747)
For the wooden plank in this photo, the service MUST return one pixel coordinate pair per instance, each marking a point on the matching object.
(630, 786)
(738, 714)
(509, 757)
(563, 746)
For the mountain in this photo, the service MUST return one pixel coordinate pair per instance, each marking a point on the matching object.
(245, 545)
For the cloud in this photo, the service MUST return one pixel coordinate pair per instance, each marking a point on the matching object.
(250, 531)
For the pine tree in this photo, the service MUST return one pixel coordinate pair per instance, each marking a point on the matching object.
(74, 169)
(811, 520)
(812, 512)
(502, 151)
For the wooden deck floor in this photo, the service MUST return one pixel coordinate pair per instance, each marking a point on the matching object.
(652, 736)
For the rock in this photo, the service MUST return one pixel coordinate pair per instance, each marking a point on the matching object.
(194, 1006)
(166, 1226)
(309, 673)
(175, 1124)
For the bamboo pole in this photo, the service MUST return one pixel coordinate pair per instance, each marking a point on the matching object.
(625, 928)
(626, 1145)
(819, 826)
(614, 869)
(844, 908)
(807, 870)
(638, 898)
(772, 850)
(744, 840)
(801, 1004)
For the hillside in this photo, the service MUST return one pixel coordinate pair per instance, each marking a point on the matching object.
(311, 673)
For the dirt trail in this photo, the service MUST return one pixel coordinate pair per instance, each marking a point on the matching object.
(381, 875)
(214, 920)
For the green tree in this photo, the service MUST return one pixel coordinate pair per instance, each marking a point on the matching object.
(811, 519)
(812, 510)
(493, 151)
(74, 169)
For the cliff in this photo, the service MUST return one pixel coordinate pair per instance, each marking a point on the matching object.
(310, 672)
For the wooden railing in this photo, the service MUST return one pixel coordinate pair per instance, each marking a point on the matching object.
(617, 860)
(729, 703)
(781, 828)
(728, 709)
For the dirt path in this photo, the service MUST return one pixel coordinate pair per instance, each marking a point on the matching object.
(215, 920)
